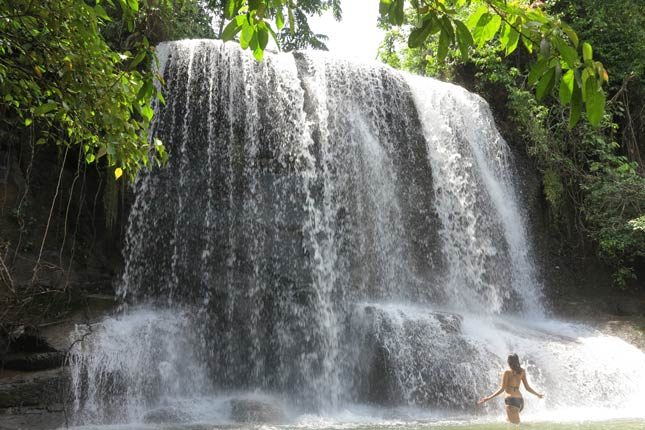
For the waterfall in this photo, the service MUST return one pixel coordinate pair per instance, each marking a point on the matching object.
(328, 232)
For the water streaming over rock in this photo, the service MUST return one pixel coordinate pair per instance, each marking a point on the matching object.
(325, 231)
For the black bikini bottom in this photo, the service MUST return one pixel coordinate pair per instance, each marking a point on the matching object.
(518, 402)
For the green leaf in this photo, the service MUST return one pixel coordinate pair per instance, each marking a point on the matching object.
(279, 19)
(292, 21)
(568, 53)
(587, 52)
(384, 7)
(397, 14)
(478, 28)
(514, 38)
(101, 13)
(446, 25)
(28, 122)
(147, 112)
(573, 37)
(89, 158)
(263, 38)
(231, 29)
(138, 59)
(274, 36)
(473, 19)
(586, 74)
(419, 35)
(527, 44)
(566, 87)
(134, 5)
(595, 102)
(490, 29)
(247, 35)
(537, 70)
(258, 53)
(254, 44)
(464, 39)
(444, 43)
(230, 9)
(45, 108)
(145, 91)
(504, 35)
(576, 105)
(545, 84)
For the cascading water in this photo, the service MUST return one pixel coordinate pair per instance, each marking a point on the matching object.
(328, 232)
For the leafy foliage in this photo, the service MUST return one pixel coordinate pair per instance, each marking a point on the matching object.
(58, 75)
(253, 21)
(563, 61)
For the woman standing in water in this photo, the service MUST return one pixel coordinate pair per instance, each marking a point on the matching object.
(511, 380)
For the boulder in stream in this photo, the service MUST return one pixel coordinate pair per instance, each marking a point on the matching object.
(165, 415)
(255, 411)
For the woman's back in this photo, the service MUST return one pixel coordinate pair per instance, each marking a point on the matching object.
(512, 383)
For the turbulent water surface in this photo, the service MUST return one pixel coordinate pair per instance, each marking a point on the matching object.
(330, 235)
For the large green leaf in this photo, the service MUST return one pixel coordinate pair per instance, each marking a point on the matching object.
(587, 52)
(576, 105)
(595, 106)
(545, 84)
(444, 44)
(233, 27)
(45, 108)
(566, 87)
(419, 35)
(230, 9)
(279, 19)
(490, 29)
(568, 53)
(464, 39)
(263, 37)
(537, 70)
(247, 35)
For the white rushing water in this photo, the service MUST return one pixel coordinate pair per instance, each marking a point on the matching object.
(327, 236)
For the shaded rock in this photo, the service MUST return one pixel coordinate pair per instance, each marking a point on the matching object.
(255, 411)
(28, 339)
(35, 361)
(165, 416)
(34, 389)
(32, 419)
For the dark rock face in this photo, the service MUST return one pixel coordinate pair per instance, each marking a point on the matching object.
(166, 415)
(255, 411)
(42, 389)
(28, 340)
(34, 361)
(32, 418)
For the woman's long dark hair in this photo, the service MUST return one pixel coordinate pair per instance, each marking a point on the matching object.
(514, 363)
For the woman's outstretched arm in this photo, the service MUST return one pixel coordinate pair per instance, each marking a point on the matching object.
(528, 387)
(496, 393)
